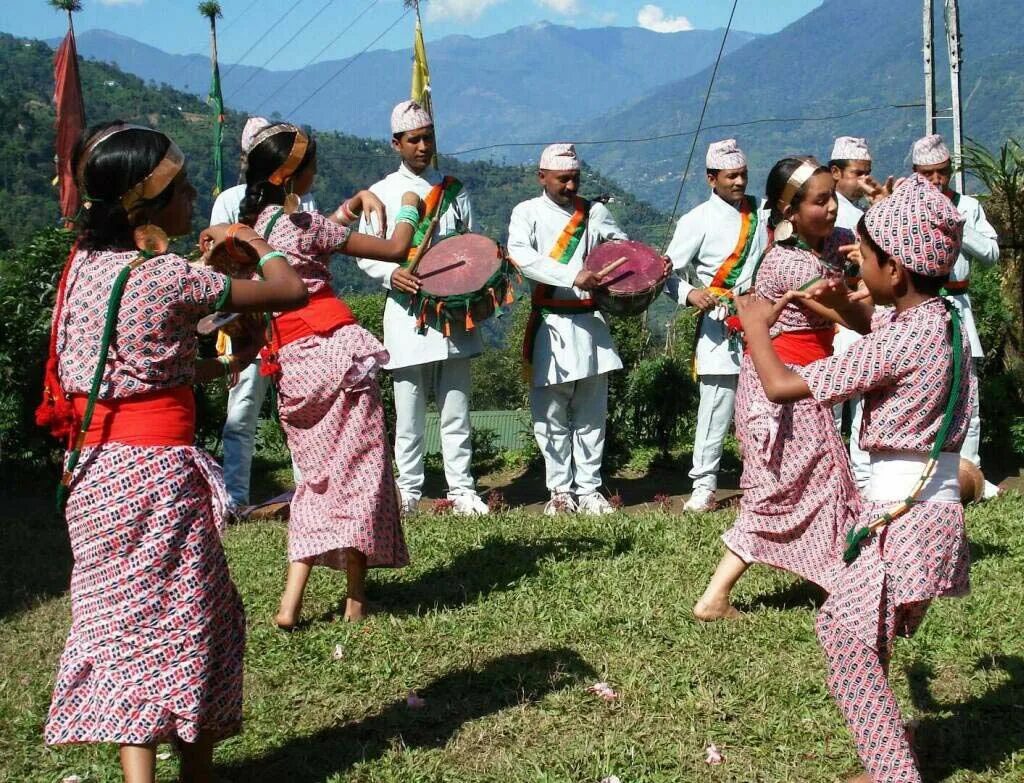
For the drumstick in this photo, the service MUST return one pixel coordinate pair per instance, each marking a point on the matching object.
(424, 244)
(612, 266)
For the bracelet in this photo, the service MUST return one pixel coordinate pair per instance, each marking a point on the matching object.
(347, 214)
(229, 241)
(267, 257)
(408, 214)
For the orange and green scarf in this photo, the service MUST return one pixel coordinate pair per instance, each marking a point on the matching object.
(438, 200)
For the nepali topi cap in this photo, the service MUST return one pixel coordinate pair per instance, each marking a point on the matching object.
(929, 151)
(725, 154)
(850, 148)
(253, 126)
(560, 157)
(409, 115)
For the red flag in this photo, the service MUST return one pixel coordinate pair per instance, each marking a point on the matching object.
(67, 96)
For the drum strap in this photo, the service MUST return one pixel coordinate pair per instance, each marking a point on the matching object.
(438, 201)
(729, 272)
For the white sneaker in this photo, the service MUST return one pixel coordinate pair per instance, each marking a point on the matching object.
(408, 505)
(701, 500)
(468, 504)
(594, 503)
(990, 491)
(560, 503)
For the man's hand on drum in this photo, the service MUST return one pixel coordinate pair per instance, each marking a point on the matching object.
(701, 299)
(404, 280)
(587, 280)
(667, 270)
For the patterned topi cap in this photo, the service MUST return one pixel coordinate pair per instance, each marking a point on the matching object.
(409, 115)
(725, 154)
(918, 226)
(850, 148)
(253, 126)
(929, 151)
(560, 157)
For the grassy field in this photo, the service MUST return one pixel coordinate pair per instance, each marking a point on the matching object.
(502, 623)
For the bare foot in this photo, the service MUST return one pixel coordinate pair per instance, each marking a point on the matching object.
(709, 611)
(286, 621)
(864, 777)
(356, 610)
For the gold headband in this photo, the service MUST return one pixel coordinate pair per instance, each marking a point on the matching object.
(153, 184)
(295, 157)
(796, 181)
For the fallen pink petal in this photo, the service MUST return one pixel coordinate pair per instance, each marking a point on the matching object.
(714, 755)
(604, 690)
(414, 701)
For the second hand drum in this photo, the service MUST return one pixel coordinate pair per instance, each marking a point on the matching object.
(464, 279)
(633, 274)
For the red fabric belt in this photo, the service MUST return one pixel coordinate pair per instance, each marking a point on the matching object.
(803, 347)
(957, 286)
(161, 418)
(322, 315)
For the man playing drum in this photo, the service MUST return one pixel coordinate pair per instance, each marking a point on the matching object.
(424, 360)
(568, 348)
(716, 245)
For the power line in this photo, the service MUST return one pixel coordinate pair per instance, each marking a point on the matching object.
(317, 56)
(260, 39)
(235, 19)
(345, 67)
(703, 110)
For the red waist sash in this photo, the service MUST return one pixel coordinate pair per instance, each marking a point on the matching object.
(957, 286)
(322, 315)
(803, 347)
(160, 418)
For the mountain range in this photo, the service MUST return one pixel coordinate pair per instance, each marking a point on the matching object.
(511, 85)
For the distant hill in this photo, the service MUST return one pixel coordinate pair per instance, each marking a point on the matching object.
(515, 85)
(840, 58)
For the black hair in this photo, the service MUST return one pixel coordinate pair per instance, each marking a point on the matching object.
(263, 160)
(777, 179)
(928, 285)
(114, 168)
(713, 172)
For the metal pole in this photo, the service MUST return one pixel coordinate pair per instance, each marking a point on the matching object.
(929, 70)
(952, 16)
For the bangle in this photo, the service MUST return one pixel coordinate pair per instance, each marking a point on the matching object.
(408, 214)
(267, 257)
(348, 214)
(229, 240)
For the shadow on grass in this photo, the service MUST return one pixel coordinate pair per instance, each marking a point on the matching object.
(450, 702)
(980, 550)
(797, 595)
(977, 734)
(36, 561)
(495, 566)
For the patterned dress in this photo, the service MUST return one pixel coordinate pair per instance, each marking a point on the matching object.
(330, 408)
(158, 631)
(903, 370)
(797, 488)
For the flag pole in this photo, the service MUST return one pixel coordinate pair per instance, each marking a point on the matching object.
(420, 90)
(70, 110)
(212, 11)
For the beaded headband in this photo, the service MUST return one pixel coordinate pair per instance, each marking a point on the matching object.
(796, 181)
(152, 185)
(295, 157)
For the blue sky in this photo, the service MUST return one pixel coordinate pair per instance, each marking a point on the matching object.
(175, 26)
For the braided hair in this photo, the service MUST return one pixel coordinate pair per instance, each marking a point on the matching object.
(263, 160)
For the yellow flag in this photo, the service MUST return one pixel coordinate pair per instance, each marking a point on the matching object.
(420, 71)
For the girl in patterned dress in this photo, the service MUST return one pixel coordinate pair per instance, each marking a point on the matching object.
(344, 513)
(905, 368)
(796, 491)
(154, 653)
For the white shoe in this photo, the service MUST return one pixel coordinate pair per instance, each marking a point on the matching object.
(468, 504)
(701, 500)
(560, 503)
(408, 505)
(594, 503)
(990, 491)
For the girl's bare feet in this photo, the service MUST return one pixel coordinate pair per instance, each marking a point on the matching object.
(286, 621)
(864, 777)
(356, 610)
(710, 610)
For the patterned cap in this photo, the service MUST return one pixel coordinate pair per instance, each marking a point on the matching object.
(929, 151)
(409, 115)
(253, 125)
(725, 154)
(850, 148)
(918, 226)
(560, 157)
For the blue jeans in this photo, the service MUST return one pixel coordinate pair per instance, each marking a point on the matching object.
(244, 402)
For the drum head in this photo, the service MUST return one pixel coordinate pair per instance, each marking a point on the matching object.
(642, 270)
(458, 265)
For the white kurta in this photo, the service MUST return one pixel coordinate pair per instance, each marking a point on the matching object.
(406, 345)
(981, 243)
(704, 237)
(225, 208)
(568, 347)
(849, 213)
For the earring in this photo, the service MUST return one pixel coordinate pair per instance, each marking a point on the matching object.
(783, 230)
(151, 240)
(292, 202)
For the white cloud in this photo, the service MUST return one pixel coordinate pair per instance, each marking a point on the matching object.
(461, 10)
(122, 2)
(565, 7)
(652, 17)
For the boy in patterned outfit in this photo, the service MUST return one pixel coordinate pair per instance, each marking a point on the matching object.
(905, 369)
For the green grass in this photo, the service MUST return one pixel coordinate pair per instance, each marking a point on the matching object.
(501, 624)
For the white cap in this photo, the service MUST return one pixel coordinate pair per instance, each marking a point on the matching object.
(929, 151)
(253, 126)
(850, 148)
(409, 115)
(725, 154)
(560, 157)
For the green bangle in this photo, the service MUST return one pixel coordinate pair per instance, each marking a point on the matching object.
(408, 214)
(267, 257)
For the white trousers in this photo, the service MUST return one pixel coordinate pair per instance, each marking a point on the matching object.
(860, 460)
(569, 425)
(450, 382)
(714, 415)
(970, 451)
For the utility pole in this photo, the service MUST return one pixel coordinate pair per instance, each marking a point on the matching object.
(951, 23)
